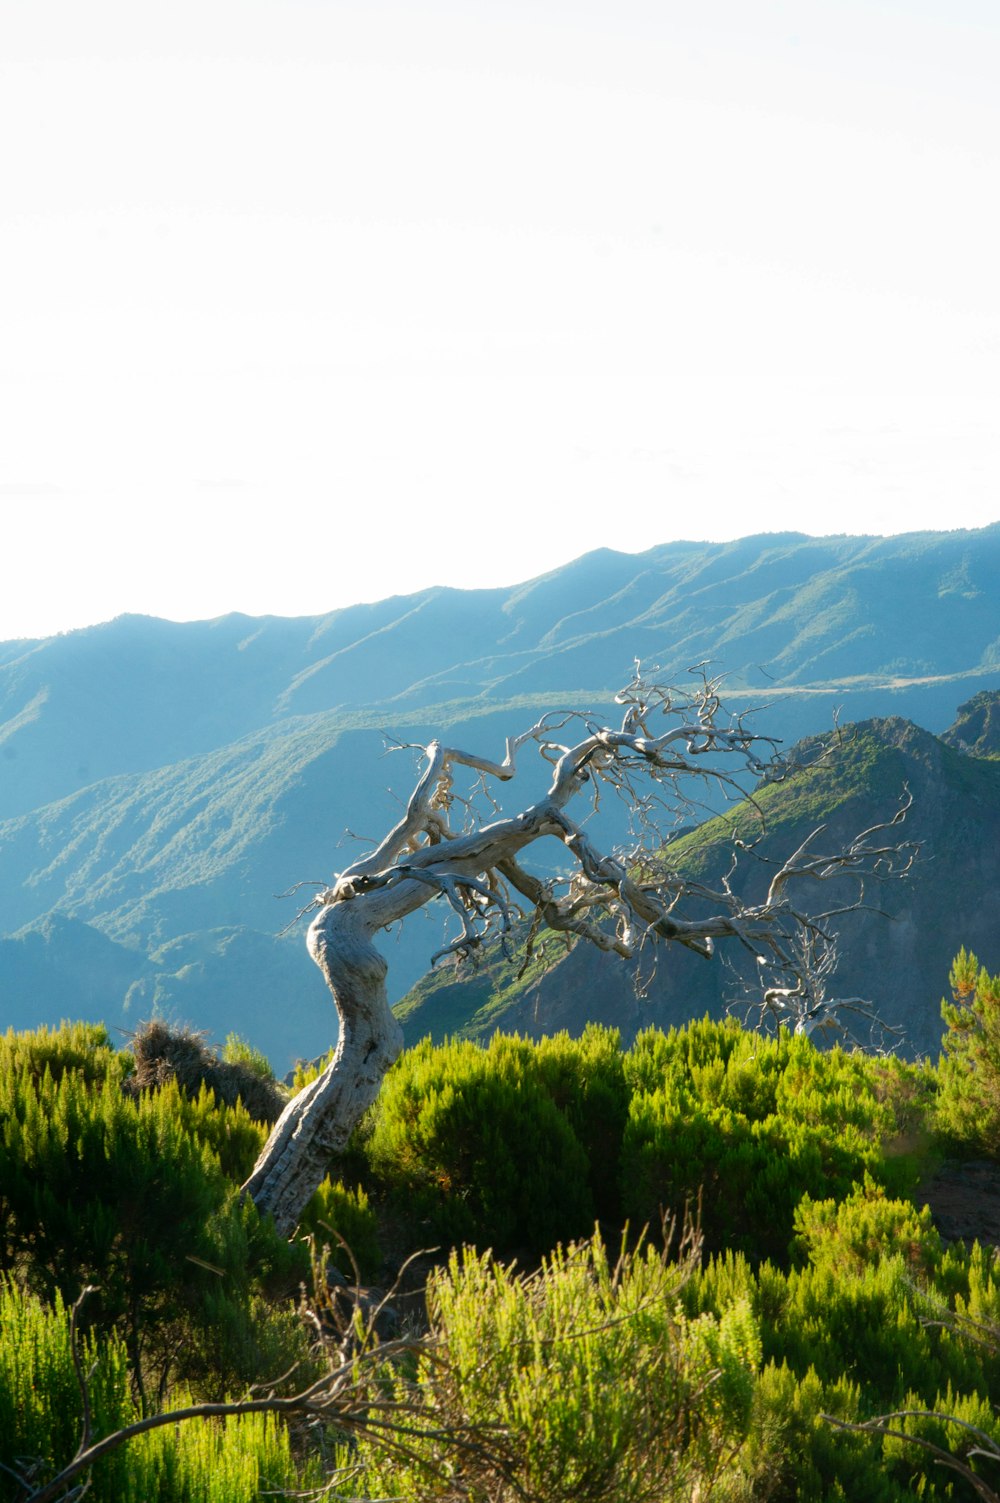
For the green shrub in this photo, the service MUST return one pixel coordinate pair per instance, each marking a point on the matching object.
(40, 1404)
(605, 1391)
(133, 1194)
(750, 1124)
(471, 1143)
(239, 1051)
(656, 1056)
(853, 1234)
(942, 1426)
(335, 1212)
(306, 1070)
(83, 1049)
(240, 1461)
(883, 1317)
(968, 1110)
(747, 1175)
(585, 1079)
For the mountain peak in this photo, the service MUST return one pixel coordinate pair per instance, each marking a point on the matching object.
(976, 730)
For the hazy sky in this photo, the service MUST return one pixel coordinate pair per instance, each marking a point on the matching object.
(305, 302)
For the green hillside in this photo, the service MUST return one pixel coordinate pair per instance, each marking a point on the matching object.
(953, 891)
(161, 783)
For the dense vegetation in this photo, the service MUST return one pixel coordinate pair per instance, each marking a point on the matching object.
(613, 1367)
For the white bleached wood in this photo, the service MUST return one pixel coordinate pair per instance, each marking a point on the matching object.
(617, 901)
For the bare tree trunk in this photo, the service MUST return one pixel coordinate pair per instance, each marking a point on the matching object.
(315, 1127)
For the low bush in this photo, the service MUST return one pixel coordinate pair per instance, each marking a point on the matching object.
(137, 1195)
(41, 1414)
(472, 1143)
(585, 1382)
(968, 1106)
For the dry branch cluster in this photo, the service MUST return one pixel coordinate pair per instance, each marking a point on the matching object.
(670, 744)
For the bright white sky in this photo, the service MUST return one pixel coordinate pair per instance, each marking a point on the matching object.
(306, 302)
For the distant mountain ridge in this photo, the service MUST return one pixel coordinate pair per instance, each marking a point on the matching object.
(161, 782)
(782, 610)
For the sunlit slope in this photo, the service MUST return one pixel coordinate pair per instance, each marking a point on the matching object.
(899, 957)
(977, 727)
(775, 612)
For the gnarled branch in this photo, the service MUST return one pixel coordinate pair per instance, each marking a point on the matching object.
(668, 741)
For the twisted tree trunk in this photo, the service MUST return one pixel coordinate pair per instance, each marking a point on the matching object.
(315, 1126)
(617, 902)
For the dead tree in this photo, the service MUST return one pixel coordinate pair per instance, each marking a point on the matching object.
(669, 742)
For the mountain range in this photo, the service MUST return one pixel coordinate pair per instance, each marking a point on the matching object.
(161, 783)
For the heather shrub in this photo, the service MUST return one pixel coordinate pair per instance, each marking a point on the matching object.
(605, 1391)
(968, 1106)
(470, 1141)
(137, 1195)
(239, 1461)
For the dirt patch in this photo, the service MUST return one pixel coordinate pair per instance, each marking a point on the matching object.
(964, 1197)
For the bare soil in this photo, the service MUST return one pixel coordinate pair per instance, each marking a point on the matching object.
(964, 1197)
